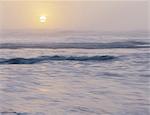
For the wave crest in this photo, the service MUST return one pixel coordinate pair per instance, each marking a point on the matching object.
(55, 58)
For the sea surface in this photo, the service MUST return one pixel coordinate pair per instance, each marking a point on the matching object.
(74, 73)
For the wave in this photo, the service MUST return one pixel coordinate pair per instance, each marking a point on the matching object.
(55, 58)
(126, 44)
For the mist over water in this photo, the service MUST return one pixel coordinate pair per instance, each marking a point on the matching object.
(74, 73)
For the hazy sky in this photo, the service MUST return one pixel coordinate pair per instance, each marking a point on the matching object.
(75, 15)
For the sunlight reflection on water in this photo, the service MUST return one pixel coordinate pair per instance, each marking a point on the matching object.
(76, 88)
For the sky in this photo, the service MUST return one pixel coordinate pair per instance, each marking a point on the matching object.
(75, 15)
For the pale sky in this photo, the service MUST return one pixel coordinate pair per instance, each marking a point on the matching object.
(75, 15)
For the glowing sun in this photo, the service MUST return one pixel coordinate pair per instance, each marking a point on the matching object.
(43, 19)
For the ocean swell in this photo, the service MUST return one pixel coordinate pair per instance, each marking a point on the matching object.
(125, 44)
(55, 58)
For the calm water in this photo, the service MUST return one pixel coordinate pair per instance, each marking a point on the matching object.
(46, 79)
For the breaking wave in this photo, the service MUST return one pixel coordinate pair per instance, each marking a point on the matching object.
(55, 58)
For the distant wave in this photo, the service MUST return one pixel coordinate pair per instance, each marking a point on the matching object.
(19, 113)
(126, 44)
(55, 58)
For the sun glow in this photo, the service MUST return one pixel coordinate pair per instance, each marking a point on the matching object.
(43, 19)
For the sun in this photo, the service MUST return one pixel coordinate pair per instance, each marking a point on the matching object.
(43, 19)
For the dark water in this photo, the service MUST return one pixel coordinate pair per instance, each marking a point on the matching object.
(100, 78)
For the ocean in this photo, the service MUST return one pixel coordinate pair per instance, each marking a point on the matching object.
(74, 73)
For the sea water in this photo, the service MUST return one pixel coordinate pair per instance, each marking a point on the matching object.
(74, 73)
